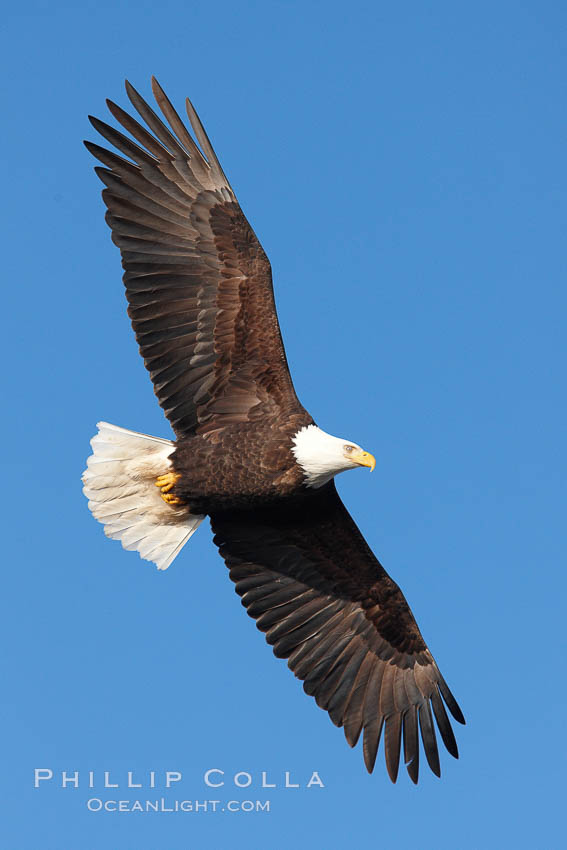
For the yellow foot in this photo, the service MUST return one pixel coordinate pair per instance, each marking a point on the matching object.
(166, 482)
(170, 499)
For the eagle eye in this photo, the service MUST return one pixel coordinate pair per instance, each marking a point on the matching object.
(349, 449)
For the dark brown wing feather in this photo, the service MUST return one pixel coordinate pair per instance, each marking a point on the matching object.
(198, 283)
(308, 578)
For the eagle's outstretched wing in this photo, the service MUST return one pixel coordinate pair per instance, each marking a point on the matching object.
(309, 579)
(198, 283)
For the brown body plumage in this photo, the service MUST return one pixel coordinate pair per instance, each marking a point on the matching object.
(239, 466)
(200, 297)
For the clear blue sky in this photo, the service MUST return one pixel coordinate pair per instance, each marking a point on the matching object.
(404, 167)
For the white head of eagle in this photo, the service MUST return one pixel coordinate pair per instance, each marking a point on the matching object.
(322, 456)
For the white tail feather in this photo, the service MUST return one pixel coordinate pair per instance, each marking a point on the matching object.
(120, 486)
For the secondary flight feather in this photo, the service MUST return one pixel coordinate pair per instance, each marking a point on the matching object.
(247, 454)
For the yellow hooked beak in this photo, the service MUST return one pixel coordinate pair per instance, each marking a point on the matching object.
(364, 459)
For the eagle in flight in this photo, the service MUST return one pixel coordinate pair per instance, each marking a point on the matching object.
(247, 454)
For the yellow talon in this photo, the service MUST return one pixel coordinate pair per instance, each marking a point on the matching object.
(166, 482)
(170, 499)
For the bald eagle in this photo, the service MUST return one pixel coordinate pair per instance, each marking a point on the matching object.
(247, 454)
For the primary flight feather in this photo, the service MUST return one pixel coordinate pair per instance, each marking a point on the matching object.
(247, 454)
